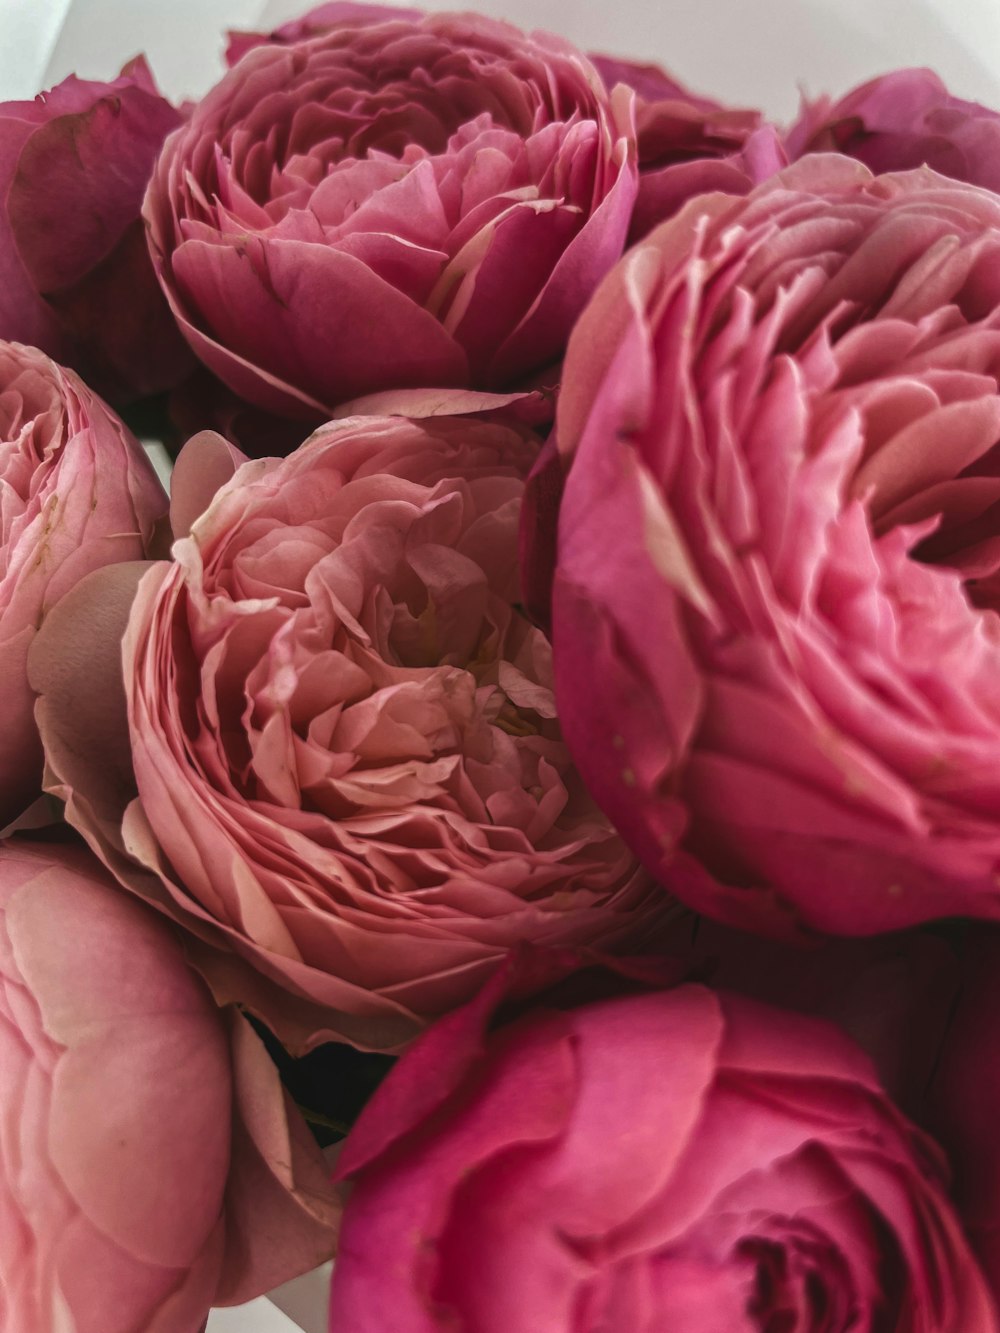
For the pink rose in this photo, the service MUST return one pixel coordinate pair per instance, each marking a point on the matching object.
(352, 786)
(415, 201)
(150, 1164)
(689, 145)
(76, 492)
(683, 1160)
(777, 557)
(75, 274)
(902, 120)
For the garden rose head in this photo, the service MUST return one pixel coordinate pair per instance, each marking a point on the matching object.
(76, 492)
(389, 204)
(145, 1135)
(901, 120)
(688, 144)
(684, 1160)
(778, 550)
(75, 273)
(342, 730)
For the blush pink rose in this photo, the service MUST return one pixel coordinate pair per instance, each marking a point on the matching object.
(75, 274)
(685, 1160)
(76, 492)
(413, 201)
(901, 120)
(689, 145)
(352, 786)
(778, 551)
(146, 1137)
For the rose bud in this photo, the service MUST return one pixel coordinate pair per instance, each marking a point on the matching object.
(685, 1160)
(75, 275)
(689, 145)
(76, 492)
(902, 120)
(778, 551)
(415, 201)
(352, 787)
(151, 1165)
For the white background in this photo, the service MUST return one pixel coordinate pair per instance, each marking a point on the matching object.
(750, 52)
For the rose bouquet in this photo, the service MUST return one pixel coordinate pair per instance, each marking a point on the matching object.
(518, 813)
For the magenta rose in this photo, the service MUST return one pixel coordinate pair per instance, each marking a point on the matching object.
(778, 551)
(352, 787)
(685, 1160)
(902, 120)
(413, 201)
(689, 145)
(314, 23)
(76, 492)
(75, 274)
(150, 1165)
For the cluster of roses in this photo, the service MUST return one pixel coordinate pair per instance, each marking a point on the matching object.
(551, 756)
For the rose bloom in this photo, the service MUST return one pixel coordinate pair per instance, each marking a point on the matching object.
(684, 1160)
(350, 774)
(688, 144)
(388, 204)
(76, 492)
(778, 548)
(902, 120)
(149, 1159)
(75, 274)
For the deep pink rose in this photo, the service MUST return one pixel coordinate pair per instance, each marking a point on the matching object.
(352, 786)
(925, 1006)
(778, 551)
(902, 120)
(685, 1160)
(688, 144)
(75, 274)
(76, 492)
(414, 201)
(146, 1137)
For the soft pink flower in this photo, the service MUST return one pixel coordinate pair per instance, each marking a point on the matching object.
(352, 785)
(414, 201)
(683, 1160)
(145, 1135)
(688, 144)
(75, 274)
(76, 492)
(778, 550)
(901, 120)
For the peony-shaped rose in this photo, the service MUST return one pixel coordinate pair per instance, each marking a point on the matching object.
(685, 1160)
(150, 1165)
(688, 144)
(901, 120)
(76, 492)
(388, 204)
(350, 774)
(75, 274)
(778, 551)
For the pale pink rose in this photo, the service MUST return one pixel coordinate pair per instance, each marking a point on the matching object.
(778, 551)
(352, 786)
(901, 120)
(414, 201)
(76, 492)
(146, 1137)
(688, 144)
(685, 1160)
